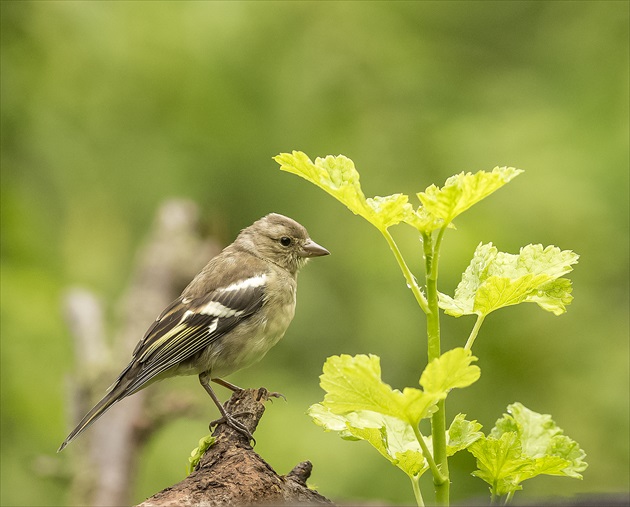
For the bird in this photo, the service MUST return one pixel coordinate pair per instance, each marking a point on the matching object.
(229, 316)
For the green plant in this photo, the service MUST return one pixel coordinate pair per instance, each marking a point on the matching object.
(197, 453)
(360, 406)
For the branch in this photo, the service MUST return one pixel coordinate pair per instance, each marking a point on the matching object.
(231, 473)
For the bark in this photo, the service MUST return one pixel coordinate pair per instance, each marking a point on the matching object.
(230, 472)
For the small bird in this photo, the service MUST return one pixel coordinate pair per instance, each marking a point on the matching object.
(228, 317)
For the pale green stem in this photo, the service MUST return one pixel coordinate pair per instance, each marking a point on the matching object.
(415, 482)
(509, 497)
(437, 475)
(409, 278)
(433, 316)
(438, 419)
(473, 333)
(436, 249)
(438, 427)
(493, 496)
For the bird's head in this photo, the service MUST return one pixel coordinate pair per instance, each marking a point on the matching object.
(281, 240)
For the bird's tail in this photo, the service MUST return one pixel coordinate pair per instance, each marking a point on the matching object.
(116, 394)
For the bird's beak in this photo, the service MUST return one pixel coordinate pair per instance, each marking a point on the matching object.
(312, 249)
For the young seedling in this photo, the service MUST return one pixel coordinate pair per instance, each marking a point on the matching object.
(360, 406)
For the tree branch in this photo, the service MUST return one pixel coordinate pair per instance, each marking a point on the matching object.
(231, 473)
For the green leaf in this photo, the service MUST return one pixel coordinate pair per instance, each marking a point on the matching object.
(326, 419)
(412, 463)
(197, 453)
(390, 210)
(498, 292)
(500, 462)
(424, 221)
(338, 176)
(567, 448)
(359, 405)
(496, 279)
(452, 369)
(546, 465)
(461, 434)
(416, 405)
(553, 296)
(541, 437)
(391, 437)
(354, 384)
(522, 445)
(462, 191)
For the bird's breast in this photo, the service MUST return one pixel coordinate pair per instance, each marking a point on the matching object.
(253, 337)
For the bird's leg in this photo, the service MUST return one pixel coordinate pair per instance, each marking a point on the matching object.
(227, 384)
(228, 419)
(235, 388)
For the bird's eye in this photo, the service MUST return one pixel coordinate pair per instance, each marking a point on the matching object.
(285, 241)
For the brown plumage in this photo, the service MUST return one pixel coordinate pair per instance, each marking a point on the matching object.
(228, 317)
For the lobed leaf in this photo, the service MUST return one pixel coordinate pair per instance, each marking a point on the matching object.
(354, 384)
(500, 462)
(412, 462)
(461, 434)
(360, 406)
(390, 210)
(540, 437)
(553, 296)
(496, 279)
(452, 369)
(459, 193)
(424, 221)
(391, 437)
(522, 445)
(338, 176)
(498, 291)
(326, 419)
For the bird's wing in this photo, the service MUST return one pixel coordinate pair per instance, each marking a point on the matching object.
(188, 326)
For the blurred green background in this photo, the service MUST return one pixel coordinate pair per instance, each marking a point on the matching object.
(109, 108)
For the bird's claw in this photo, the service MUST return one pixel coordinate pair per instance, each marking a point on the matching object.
(235, 425)
(276, 395)
(263, 394)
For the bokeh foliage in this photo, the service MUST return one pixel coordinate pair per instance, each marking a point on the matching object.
(108, 108)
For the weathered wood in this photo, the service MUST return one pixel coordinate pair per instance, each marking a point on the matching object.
(231, 473)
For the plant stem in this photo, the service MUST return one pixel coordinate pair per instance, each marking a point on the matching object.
(436, 249)
(427, 455)
(509, 497)
(415, 482)
(493, 496)
(438, 420)
(433, 316)
(438, 429)
(410, 279)
(473, 333)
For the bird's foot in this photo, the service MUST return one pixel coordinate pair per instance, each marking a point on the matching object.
(235, 425)
(263, 394)
(276, 395)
